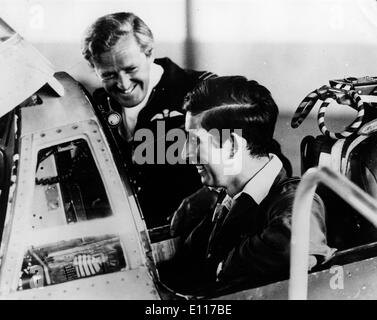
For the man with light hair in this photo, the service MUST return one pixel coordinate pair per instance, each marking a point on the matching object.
(142, 93)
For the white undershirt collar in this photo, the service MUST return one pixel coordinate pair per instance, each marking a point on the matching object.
(259, 186)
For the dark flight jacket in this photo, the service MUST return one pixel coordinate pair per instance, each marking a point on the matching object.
(160, 188)
(253, 241)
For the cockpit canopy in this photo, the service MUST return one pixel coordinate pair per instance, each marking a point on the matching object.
(23, 70)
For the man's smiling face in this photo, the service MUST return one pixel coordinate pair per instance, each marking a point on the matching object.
(203, 150)
(125, 72)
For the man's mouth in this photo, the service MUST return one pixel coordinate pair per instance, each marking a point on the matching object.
(128, 91)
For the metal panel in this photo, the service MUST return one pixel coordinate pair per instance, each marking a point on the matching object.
(59, 120)
(354, 281)
(55, 112)
(124, 285)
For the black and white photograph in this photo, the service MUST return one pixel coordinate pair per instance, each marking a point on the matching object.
(204, 151)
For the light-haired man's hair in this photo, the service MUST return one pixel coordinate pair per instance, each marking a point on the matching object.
(106, 31)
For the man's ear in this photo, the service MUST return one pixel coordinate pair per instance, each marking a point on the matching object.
(233, 161)
(150, 54)
(238, 143)
(228, 148)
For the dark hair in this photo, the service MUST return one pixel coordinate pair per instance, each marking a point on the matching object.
(106, 31)
(233, 102)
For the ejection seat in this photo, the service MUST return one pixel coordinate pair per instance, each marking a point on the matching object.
(352, 152)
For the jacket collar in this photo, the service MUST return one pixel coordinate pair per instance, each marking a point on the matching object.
(259, 185)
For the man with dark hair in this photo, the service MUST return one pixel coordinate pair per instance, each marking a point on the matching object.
(142, 93)
(230, 123)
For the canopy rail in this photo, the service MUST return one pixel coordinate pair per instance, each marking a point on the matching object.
(348, 191)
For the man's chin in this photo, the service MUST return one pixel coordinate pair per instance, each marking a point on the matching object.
(207, 182)
(128, 102)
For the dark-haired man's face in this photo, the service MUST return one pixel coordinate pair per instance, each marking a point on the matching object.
(125, 72)
(202, 149)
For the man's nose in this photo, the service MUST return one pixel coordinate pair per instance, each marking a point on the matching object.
(189, 153)
(124, 80)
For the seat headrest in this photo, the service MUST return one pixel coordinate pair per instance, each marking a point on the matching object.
(362, 167)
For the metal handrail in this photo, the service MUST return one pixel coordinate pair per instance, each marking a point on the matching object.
(347, 190)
